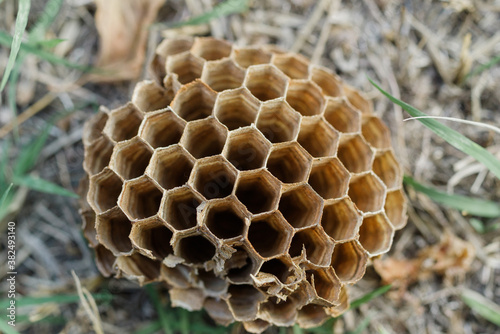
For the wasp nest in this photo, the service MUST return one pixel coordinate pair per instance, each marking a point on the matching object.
(254, 184)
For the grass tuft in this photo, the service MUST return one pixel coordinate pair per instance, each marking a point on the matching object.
(482, 306)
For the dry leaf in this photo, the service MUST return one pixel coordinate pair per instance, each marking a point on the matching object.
(123, 30)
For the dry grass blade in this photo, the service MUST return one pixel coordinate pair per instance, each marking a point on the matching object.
(88, 304)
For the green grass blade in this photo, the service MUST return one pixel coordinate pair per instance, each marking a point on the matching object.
(454, 138)
(483, 306)
(5, 195)
(369, 296)
(20, 27)
(45, 20)
(29, 155)
(483, 67)
(50, 43)
(223, 9)
(42, 185)
(162, 314)
(472, 206)
(6, 328)
(58, 299)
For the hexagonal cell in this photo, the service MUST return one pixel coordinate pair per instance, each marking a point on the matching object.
(194, 101)
(139, 266)
(355, 154)
(244, 301)
(266, 82)
(258, 190)
(358, 100)
(367, 192)
(105, 260)
(326, 284)
(167, 47)
(152, 238)
(280, 267)
(269, 234)
(179, 207)
(242, 263)
(349, 261)
(130, 158)
(247, 149)
(170, 166)
(342, 306)
(162, 128)
(113, 229)
(387, 168)
(213, 284)
(210, 48)
(279, 312)
(204, 138)
(329, 178)
(305, 97)
(376, 133)
(330, 83)
(213, 177)
(342, 116)
(317, 245)
(318, 137)
(123, 123)
(97, 155)
(195, 249)
(225, 218)
(92, 129)
(301, 206)
(278, 122)
(395, 208)
(292, 64)
(104, 189)
(249, 56)
(222, 74)
(289, 162)
(187, 66)
(341, 219)
(375, 234)
(312, 315)
(236, 108)
(149, 96)
(140, 198)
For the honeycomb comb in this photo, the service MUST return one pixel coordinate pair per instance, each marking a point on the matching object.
(254, 184)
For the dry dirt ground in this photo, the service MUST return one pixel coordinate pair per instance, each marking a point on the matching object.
(419, 51)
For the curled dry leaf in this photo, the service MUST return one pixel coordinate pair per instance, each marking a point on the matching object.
(122, 27)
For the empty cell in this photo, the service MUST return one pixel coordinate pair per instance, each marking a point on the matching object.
(212, 283)
(210, 48)
(152, 237)
(367, 192)
(241, 265)
(312, 315)
(341, 219)
(187, 66)
(266, 82)
(258, 191)
(236, 108)
(140, 198)
(355, 154)
(278, 122)
(279, 267)
(269, 234)
(247, 149)
(139, 265)
(92, 130)
(179, 207)
(318, 137)
(358, 100)
(162, 128)
(375, 234)
(329, 82)
(305, 97)
(249, 56)
(170, 166)
(105, 260)
(123, 123)
(225, 218)
(329, 178)
(130, 158)
(387, 168)
(289, 162)
(244, 301)
(213, 177)
(204, 138)
(342, 306)
(195, 249)
(315, 242)
(194, 101)
(173, 46)
(349, 262)
(104, 189)
(113, 229)
(149, 96)
(395, 208)
(326, 284)
(301, 206)
(376, 133)
(279, 312)
(222, 74)
(292, 64)
(97, 155)
(342, 116)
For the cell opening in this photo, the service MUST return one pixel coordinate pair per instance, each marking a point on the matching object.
(357, 100)
(194, 101)
(341, 220)
(326, 284)
(249, 56)
(312, 315)
(329, 178)
(269, 235)
(395, 208)
(355, 154)
(257, 191)
(148, 96)
(367, 192)
(376, 133)
(180, 208)
(92, 130)
(141, 198)
(349, 262)
(154, 237)
(282, 313)
(236, 108)
(113, 229)
(247, 149)
(305, 97)
(162, 129)
(278, 122)
(204, 138)
(104, 190)
(211, 282)
(317, 245)
(139, 265)
(301, 207)
(195, 249)
(123, 123)
(130, 159)
(171, 167)
(213, 178)
(293, 65)
(289, 163)
(225, 221)
(375, 234)
(277, 268)
(239, 266)
(265, 82)
(210, 48)
(342, 116)
(330, 84)
(318, 137)
(187, 66)
(387, 168)
(244, 301)
(223, 74)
